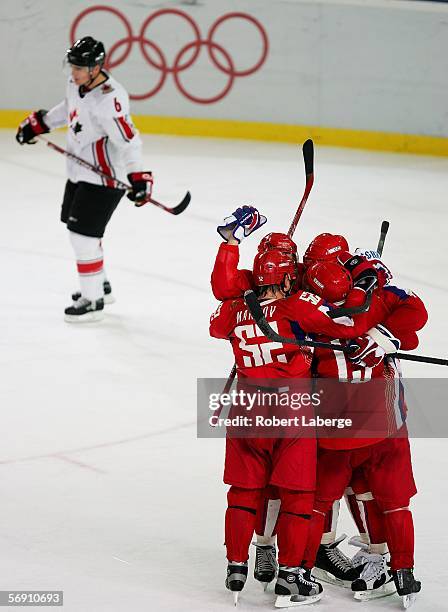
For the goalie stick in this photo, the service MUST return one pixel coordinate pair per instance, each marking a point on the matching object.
(308, 160)
(257, 313)
(175, 210)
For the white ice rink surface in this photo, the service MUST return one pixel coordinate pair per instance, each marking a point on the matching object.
(105, 491)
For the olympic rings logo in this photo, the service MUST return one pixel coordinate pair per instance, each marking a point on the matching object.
(185, 57)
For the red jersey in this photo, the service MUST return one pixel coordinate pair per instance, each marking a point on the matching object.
(258, 357)
(227, 280)
(402, 313)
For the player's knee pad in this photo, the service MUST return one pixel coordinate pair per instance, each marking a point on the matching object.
(297, 502)
(86, 247)
(244, 499)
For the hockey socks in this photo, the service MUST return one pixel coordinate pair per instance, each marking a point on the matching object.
(400, 537)
(89, 260)
(240, 521)
(293, 524)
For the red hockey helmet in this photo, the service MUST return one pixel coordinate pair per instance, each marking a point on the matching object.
(328, 279)
(270, 267)
(325, 247)
(275, 240)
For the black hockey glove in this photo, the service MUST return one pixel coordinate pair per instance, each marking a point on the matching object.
(141, 183)
(31, 127)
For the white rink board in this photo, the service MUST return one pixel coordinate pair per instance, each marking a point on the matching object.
(355, 65)
(106, 492)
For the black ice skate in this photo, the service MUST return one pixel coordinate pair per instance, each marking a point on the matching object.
(85, 311)
(333, 566)
(108, 297)
(266, 565)
(407, 586)
(296, 587)
(236, 578)
(376, 579)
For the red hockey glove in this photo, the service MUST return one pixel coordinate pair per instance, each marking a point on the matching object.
(369, 350)
(141, 183)
(31, 127)
(363, 273)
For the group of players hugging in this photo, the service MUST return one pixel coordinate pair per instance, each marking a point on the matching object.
(288, 489)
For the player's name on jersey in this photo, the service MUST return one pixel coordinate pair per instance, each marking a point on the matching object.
(244, 315)
(262, 421)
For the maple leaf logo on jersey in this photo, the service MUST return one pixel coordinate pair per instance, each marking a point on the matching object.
(77, 127)
(106, 88)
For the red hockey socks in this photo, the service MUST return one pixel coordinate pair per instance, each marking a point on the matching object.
(315, 531)
(372, 519)
(240, 521)
(293, 524)
(400, 537)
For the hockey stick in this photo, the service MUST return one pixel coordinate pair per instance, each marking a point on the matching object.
(257, 312)
(175, 210)
(308, 160)
(383, 234)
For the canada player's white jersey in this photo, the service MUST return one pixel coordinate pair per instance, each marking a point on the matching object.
(100, 130)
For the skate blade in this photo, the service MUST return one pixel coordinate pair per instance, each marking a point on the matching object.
(384, 591)
(235, 597)
(89, 317)
(290, 601)
(324, 576)
(408, 600)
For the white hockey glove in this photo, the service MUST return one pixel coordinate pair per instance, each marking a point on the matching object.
(369, 350)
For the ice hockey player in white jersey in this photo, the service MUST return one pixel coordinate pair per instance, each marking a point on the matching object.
(100, 131)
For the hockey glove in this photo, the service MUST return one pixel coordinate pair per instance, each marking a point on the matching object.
(241, 223)
(369, 350)
(383, 272)
(363, 273)
(141, 183)
(31, 127)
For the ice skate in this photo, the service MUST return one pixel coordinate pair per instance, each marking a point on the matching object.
(376, 579)
(296, 587)
(236, 578)
(407, 586)
(108, 296)
(266, 565)
(333, 566)
(360, 558)
(85, 311)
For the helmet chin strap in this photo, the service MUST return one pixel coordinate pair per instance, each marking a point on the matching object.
(91, 78)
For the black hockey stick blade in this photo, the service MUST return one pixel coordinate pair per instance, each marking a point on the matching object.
(351, 310)
(256, 311)
(383, 234)
(175, 210)
(308, 156)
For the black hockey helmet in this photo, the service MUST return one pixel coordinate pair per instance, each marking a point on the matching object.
(86, 52)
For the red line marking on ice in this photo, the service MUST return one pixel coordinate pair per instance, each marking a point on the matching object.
(82, 449)
(80, 464)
